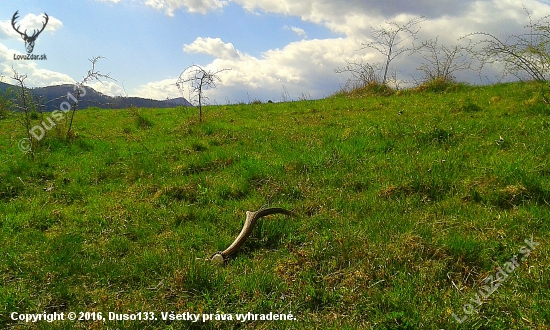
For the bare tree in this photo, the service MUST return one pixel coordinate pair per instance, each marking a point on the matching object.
(523, 55)
(26, 104)
(441, 62)
(393, 41)
(199, 81)
(80, 91)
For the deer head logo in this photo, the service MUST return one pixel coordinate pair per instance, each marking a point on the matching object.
(29, 40)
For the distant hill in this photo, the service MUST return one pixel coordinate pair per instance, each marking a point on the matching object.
(4, 86)
(51, 97)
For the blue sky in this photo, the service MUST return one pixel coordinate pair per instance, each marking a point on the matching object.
(269, 45)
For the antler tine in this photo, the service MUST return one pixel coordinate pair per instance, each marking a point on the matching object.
(35, 34)
(13, 19)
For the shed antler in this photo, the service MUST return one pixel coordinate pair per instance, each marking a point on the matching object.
(251, 218)
(29, 40)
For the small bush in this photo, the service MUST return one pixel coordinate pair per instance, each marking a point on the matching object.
(436, 136)
(470, 106)
(439, 85)
(141, 122)
(540, 102)
(34, 115)
(466, 105)
(372, 88)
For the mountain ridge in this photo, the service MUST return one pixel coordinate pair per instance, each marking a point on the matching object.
(51, 97)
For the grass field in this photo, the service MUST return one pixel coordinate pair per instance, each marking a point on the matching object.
(406, 204)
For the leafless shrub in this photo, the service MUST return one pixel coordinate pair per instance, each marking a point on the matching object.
(80, 91)
(362, 74)
(25, 102)
(525, 56)
(305, 97)
(442, 62)
(391, 41)
(199, 80)
(285, 95)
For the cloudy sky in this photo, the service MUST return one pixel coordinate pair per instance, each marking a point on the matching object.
(271, 46)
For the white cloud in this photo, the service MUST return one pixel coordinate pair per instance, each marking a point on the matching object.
(42, 77)
(297, 30)
(213, 46)
(193, 6)
(306, 66)
(108, 88)
(159, 90)
(354, 18)
(6, 31)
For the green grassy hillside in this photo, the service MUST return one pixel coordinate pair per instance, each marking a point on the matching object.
(406, 204)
